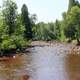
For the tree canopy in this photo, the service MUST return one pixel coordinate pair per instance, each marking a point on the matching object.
(26, 22)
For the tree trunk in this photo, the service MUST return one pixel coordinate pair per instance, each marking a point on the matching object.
(78, 42)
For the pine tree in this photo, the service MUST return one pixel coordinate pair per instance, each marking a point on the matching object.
(26, 22)
(77, 3)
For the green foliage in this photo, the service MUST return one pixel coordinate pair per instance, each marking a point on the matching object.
(77, 3)
(16, 28)
(70, 32)
(47, 31)
(72, 23)
(13, 42)
(26, 22)
(19, 41)
(11, 28)
(58, 29)
(71, 4)
(9, 15)
(7, 44)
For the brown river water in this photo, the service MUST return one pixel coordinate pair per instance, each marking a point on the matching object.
(42, 63)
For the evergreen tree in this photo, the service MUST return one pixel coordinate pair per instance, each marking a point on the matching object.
(26, 22)
(77, 3)
(71, 4)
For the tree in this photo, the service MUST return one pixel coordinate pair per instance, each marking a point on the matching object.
(20, 28)
(77, 3)
(72, 24)
(9, 15)
(51, 31)
(11, 31)
(71, 4)
(26, 22)
(33, 19)
(45, 31)
(58, 29)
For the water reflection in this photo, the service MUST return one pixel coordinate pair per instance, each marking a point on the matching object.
(73, 66)
(14, 69)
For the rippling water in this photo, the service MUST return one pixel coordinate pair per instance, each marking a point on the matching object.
(42, 63)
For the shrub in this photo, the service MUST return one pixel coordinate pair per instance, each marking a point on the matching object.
(13, 42)
(7, 44)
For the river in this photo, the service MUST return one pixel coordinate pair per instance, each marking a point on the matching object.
(42, 63)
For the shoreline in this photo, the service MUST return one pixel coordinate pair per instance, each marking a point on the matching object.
(73, 48)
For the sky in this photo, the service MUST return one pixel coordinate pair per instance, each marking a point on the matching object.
(46, 10)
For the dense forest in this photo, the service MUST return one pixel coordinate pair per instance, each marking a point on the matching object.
(17, 30)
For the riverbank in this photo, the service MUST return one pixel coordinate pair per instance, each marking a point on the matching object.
(45, 43)
(51, 43)
(72, 46)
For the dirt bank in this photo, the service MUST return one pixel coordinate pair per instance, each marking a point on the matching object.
(45, 43)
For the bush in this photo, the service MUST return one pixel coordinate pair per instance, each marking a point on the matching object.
(19, 41)
(13, 42)
(7, 44)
